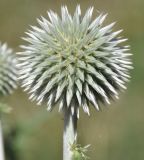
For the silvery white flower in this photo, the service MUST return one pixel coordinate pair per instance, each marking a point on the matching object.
(8, 71)
(74, 61)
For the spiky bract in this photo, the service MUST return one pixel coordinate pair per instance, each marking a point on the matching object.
(74, 61)
(8, 71)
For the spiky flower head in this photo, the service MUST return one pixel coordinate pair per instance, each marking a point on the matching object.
(74, 61)
(8, 71)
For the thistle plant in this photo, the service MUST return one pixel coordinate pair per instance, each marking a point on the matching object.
(8, 71)
(72, 61)
(8, 82)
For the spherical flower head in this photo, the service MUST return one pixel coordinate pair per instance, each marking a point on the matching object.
(74, 61)
(8, 71)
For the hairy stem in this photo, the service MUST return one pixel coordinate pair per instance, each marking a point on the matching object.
(70, 133)
(1, 143)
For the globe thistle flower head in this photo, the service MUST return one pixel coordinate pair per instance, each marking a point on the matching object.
(8, 71)
(74, 61)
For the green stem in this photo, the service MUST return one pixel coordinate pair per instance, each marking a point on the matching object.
(1, 143)
(70, 133)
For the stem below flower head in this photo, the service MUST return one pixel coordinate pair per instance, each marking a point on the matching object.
(70, 133)
(1, 143)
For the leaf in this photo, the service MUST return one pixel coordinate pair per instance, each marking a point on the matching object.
(78, 95)
(61, 104)
(79, 85)
(106, 29)
(85, 106)
(71, 69)
(48, 87)
(60, 89)
(97, 43)
(79, 152)
(99, 76)
(97, 88)
(101, 54)
(76, 155)
(91, 97)
(81, 64)
(98, 21)
(49, 72)
(85, 21)
(76, 18)
(93, 100)
(49, 103)
(69, 93)
(80, 74)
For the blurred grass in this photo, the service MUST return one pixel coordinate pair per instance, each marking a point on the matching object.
(116, 133)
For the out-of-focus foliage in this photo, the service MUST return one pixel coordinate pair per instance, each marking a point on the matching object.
(8, 71)
(4, 108)
(115, 134)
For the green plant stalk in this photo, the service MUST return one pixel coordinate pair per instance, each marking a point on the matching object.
(1, 143)
(70, 133)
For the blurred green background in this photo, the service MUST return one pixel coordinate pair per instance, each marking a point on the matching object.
(114, 134)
